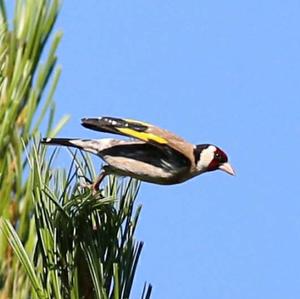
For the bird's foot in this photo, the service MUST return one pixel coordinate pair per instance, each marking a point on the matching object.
(88, 184)
(93, 186)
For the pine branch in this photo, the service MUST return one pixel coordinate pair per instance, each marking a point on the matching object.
(57, 240)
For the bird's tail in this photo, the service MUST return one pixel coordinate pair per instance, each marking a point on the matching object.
(59, 141)
(88, 145)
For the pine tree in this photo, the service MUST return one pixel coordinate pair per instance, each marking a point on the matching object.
(57, 240)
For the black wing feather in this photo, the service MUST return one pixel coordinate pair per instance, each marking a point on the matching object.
(109, 124)
(145, 152)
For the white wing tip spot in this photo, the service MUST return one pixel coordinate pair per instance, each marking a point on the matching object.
(110, 121)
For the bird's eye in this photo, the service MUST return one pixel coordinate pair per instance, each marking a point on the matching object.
(221, 158)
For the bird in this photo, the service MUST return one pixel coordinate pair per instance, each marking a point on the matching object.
(150, 154)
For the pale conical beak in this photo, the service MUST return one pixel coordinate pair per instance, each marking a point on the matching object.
(227, 168)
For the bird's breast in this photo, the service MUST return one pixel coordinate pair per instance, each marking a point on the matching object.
(145, 171)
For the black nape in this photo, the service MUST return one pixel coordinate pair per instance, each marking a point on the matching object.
(197, 151)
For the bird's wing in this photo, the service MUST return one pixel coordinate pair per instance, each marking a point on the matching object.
(142, 131)
(172, 162)
(131, 149)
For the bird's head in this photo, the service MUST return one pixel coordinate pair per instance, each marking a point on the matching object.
(209, 157)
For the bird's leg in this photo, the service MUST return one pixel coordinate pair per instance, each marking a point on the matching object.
(94, 186)
(99, 179)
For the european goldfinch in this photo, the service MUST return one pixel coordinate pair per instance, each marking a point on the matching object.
(153, 155)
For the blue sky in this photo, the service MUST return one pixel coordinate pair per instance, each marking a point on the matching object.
(223, 72)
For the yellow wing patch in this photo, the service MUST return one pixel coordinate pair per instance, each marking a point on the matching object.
(142, 135)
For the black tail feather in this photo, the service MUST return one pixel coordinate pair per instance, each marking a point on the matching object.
(58, 141)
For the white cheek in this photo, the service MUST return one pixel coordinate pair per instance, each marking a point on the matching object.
(206, 157)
